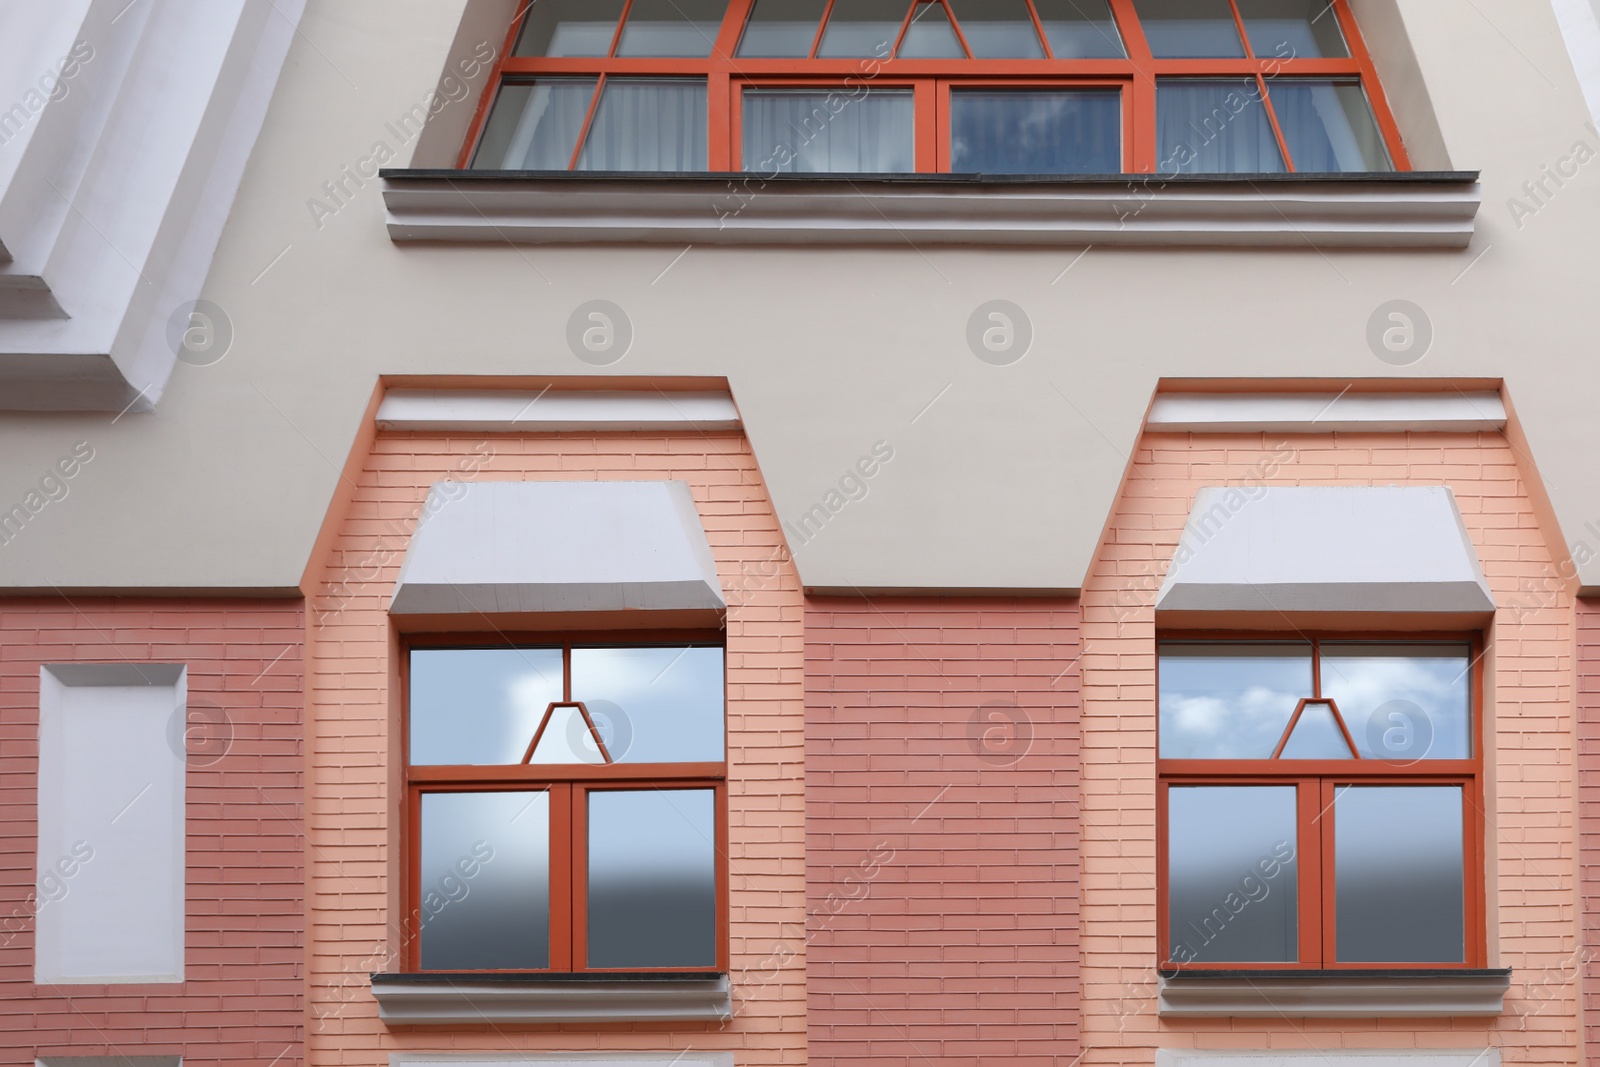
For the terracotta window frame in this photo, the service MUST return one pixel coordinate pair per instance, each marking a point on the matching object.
(568, 786)
(1316, 783)
(726, 76)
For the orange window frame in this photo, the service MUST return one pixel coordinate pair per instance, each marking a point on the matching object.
(727, 75)
(1317, 783)
(568, 786)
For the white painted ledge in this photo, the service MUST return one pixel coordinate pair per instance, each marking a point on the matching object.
(424, 1000)
(1325, 548)
(1326, 211)
(1425, 994)
(1326, 412)
(552, 411)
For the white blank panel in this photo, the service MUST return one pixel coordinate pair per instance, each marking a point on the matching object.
(111, 825)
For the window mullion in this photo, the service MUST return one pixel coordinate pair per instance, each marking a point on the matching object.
(569, 824)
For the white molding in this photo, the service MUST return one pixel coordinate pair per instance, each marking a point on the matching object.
(1327, 996)
(1580, 29)
(555, 412)
(458, 1000)
(1325, 412)
(1373, 213)
(113, 204)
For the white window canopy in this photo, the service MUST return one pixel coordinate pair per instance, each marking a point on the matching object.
(558, 546)
(1325, 549)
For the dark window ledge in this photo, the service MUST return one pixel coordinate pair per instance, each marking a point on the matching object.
(444, 998)
(1414, 209)
(1408, 992)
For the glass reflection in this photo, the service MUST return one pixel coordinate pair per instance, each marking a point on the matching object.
(1398, 874)
(1080, 29)
(782, 28)
(534, 126)
(1232, 879)
(652, 878)
(1008, 131)
(998, 29)
(1403, 701)
(861, 28)
(685, 28)
(930, 35)
(1316, 736)
(651, 705)
(479, 705)
(1190, 29)
(569, 28)
(1303, 29)
(1228, 701)
(485, 888)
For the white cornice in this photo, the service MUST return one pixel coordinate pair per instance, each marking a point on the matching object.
(1410, 211)
(554, 411)
(1453, 412)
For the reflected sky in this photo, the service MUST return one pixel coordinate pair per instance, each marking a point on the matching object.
(1229, 701)
(666, 704)
(479, 705)
(1435, 682)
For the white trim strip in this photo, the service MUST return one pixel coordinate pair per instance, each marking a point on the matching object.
(1325, 412)
(554, 412)
(1349, 214)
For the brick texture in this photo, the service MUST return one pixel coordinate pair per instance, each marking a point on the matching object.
(1531, 737)
(352, 678)
(242, 1001)
(1588, 620)
(942, 764)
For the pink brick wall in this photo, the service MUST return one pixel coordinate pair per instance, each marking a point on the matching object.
(942, 764)
(355, 790)
(1589, 822)
(242, 1002)
(1531, 836)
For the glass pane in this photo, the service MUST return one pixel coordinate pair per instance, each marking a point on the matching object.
(672, 28)
(485, 889)
(998, 29)
(1214, 126)
(651, 705)
(569, 28)
(1080, 29)
(1232, 885)
(1317, 736)
(862, 28)
(534, 126)
(1228, 701)
(1185, 29)
(648, 124)
(1328, 126)
(1301, 29)
(782, 28)
(930, 36)
(1006, 131)
(652, 878)
(567, 739)
(479, 705)
(807, 132)
(1403, 702)
(1399, 894)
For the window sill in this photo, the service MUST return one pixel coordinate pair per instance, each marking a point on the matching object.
(462, 998)
(1334, 994)
(1401, 210)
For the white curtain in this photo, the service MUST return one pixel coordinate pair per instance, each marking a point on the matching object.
(648, 124)
(535, 127)
(1328, 126)
(1214, 126)
(808, 132)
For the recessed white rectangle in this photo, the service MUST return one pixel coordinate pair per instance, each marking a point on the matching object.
(1453, 412)
(110, 887)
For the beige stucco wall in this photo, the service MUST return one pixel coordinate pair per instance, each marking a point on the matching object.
(1003, 477)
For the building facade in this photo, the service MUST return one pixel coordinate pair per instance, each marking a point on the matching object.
(760, 532)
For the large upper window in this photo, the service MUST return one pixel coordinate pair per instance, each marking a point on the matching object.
(1005, 87)
(567, 808)
(1319, 804)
